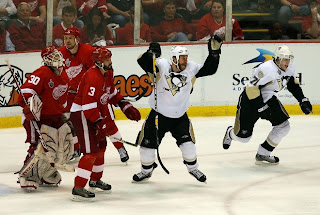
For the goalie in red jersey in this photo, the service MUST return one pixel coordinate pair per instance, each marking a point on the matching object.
(43, 99)
(90, 113)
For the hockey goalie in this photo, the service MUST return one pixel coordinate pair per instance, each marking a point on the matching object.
(43, 98)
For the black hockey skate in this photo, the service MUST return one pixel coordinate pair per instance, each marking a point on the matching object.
(198, 175)
(81, 194)
(123, 154)
(143, 176)
(98, 186)
(227, 139)
(76, 156)
(266, 160)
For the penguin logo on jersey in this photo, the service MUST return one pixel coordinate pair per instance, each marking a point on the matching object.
(175, 82)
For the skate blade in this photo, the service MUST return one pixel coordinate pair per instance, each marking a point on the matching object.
(265, 163)
(140, 182)
(98, 190)
(77, 198)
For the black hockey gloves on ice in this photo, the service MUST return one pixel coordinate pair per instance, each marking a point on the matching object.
(154, 48)
(214, 45)
(305, 106)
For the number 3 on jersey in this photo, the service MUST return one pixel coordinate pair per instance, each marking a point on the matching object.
(34, 80)
(92, 90)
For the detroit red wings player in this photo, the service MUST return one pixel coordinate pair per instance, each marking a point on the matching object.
(50, 83)
(91, 114)
(77, 61)
(77, 58)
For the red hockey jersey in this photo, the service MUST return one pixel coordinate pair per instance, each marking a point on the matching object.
(51, 89)
(84, 6)
(77, 64)
(208, 27)
(95, 92)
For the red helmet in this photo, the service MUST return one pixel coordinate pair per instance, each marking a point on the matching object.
(51, 56)
(101, 53)
(72, 31)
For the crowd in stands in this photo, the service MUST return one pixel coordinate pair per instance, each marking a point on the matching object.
(111, 22)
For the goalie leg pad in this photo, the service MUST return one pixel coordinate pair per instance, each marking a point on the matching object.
(28, 185)
(47, 173)
(31, 163)
(66, 147)
(50, 136)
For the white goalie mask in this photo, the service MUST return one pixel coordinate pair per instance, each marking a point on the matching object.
(283, 52)
(176, 51)
(52, 57)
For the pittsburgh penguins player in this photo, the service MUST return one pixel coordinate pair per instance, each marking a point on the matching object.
(169, 103)
(258, 100)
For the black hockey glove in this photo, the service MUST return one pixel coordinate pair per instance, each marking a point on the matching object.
(154, 48)
(306, 106)
(264, 112)
(214, 45)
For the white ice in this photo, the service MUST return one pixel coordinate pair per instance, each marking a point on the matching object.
(235, 185)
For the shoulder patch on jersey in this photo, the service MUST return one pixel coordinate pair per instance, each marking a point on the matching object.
(51, 83)
(260, 74)
(67, 62)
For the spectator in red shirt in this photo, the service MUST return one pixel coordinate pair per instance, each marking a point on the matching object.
(125, 35)
(38, 9)
(214, 23)
(96, 32)
(310, 24)
(27, 34)
(85, 6)
(69, 15)
(171, 28)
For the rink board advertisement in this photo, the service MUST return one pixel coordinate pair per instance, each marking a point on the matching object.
(219, 90)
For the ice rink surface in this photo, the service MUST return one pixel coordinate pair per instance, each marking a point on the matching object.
(235, 185)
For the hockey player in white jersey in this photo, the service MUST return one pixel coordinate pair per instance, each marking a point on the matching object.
(258, 100)
(170, 101)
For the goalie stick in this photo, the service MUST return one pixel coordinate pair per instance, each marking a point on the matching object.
(139, 96)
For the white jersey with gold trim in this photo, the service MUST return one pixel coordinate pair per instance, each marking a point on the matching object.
(270, 78)
(173, 89)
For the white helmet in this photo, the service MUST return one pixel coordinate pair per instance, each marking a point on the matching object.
(51, 56)
(283, 52)
(176, 51)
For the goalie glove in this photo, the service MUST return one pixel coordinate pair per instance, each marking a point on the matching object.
(305, 106)
(154, 48)
(131, 112)
(32, 110)
(214, 45)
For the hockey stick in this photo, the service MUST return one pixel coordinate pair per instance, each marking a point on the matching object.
(122, 141)
(139, 96)
(35, 125)
(156, 109)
